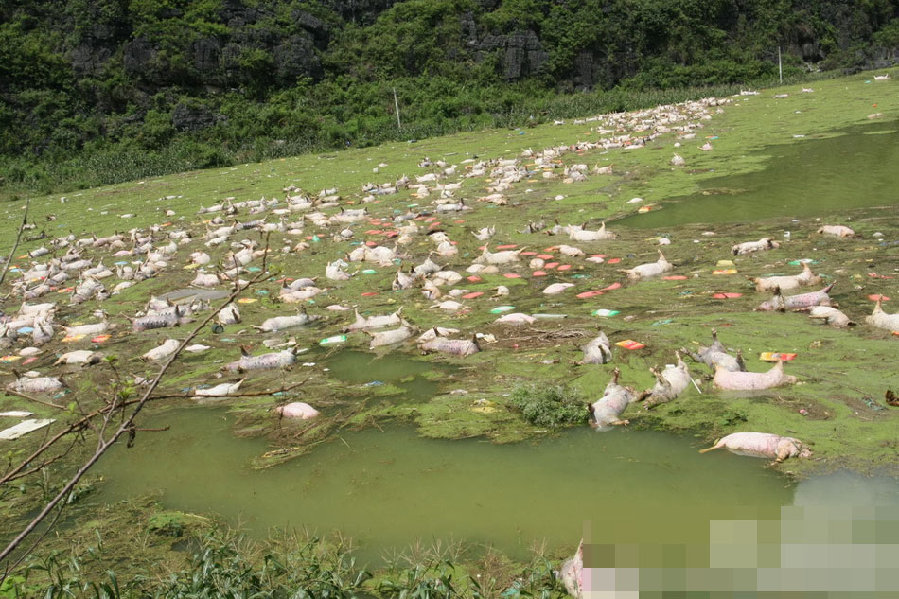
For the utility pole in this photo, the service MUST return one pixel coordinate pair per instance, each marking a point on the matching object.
(780, 67)
(396, 104)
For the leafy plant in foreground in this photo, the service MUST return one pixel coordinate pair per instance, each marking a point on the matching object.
(550, 405)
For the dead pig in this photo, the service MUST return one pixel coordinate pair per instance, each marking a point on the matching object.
(752, 381)
(391, 337)
(748, 247)
(374, 322)
(836, 231)
(650, 269)
(278, 323)
(158, 321)
(670, 382)
(786, 282)
(35, 384)
(597, 351)
(453, 347)
(716, 355)
(801, 301)
(606, 411)
(762, 445)
(281, 359)
(881, 319)
(831, 316)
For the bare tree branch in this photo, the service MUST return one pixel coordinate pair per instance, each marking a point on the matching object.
(12, 252)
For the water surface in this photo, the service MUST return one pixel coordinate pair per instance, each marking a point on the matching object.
(808, 178)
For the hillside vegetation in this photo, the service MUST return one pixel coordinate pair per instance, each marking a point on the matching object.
(101, 91)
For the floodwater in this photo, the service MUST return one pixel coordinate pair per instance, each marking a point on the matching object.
(659, 515)
(650, 503)
(808, 178)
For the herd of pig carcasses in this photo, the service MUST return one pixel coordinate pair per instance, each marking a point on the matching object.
(294, 221)
(142, 254)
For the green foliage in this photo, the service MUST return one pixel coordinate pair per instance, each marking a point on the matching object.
(550, 405)
(220, 567)
(88, 89)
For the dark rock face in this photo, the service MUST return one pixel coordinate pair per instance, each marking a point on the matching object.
(192, 118)
(138, 56)
(522, 53)
(296, 58)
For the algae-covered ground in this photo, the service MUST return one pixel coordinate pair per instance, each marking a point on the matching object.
(837, 406)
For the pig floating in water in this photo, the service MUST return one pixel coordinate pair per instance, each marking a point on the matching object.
(572, 573)
(802, 301)
(881, 319)
(716, 355)
(220, 390)
(297, 409)
(281, 359)
(597, 351)
(454, 347)
(786, 282)
(277, 323)
(752, 381)
(374, 322)
(762, 445)
(391, 337)
(650, 269)
(32, 382)
(156, 321)
(831, 316)
(670, 382)
(748, 247)
(606, 411)
(836, 231)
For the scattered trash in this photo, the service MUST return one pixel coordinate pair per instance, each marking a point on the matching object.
(604, 312)
(630, 344)
(333, 340)
(472, 294)
(501, 309)
(675, 278)
(727, 295)
(25, 427)
(247, 300)
(876, 296)
(776, 357)
(726, 271)
(10, 358)
(373, 384)
(660, 323)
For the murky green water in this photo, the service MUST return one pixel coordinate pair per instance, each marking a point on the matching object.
(809, 178)
(657, 511)
(414, 377)
(389, 488)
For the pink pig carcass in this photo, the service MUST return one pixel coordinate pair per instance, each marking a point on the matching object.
(762, 445)
(752, 381)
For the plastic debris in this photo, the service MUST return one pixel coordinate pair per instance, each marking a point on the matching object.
(630, 344)
(776, 356)
(333, 340)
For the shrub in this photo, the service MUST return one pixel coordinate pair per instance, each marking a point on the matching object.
(550, 405)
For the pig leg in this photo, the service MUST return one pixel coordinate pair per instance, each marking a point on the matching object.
(718, 445)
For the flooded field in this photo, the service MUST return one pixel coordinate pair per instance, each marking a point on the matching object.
(649, 502)
(421, 438)
(813, 177)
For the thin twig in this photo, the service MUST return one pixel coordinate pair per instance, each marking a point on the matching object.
(35, 399)
(12, 252)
